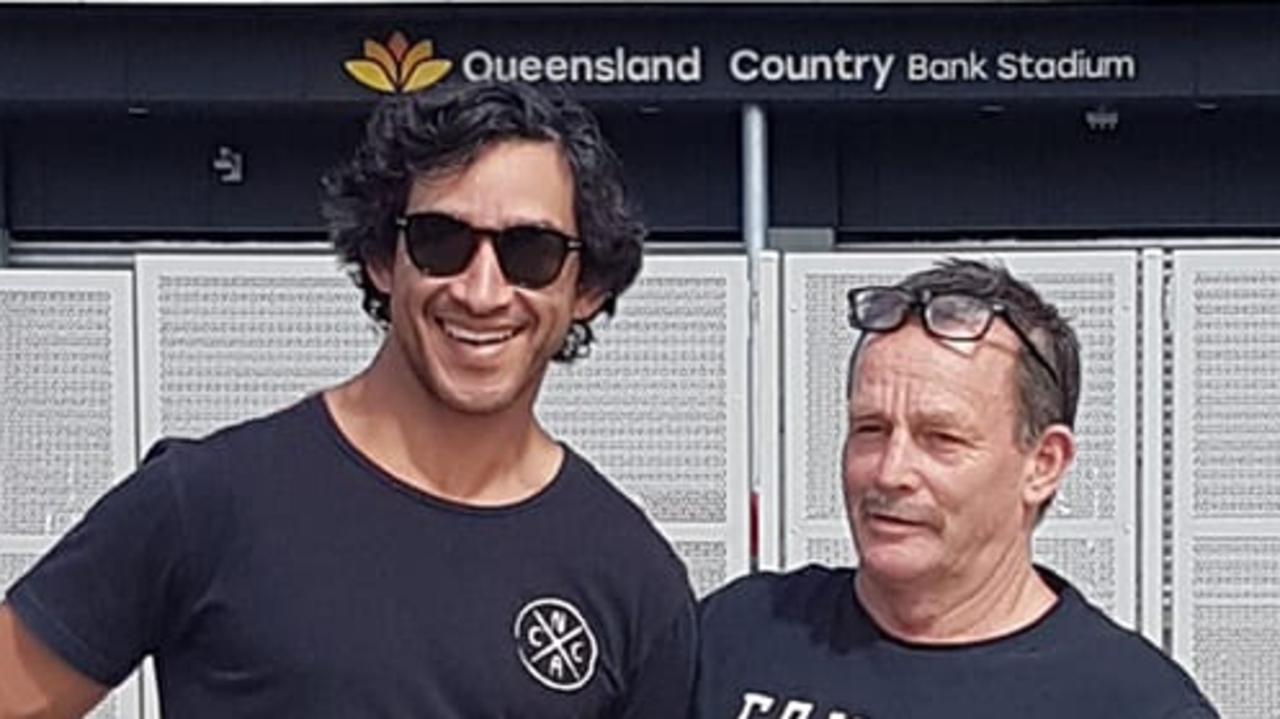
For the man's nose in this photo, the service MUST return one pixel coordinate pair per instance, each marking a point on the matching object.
(897, 469)
(481, 287)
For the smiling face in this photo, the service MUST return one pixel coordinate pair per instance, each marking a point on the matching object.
(937, 487)
(474, 342)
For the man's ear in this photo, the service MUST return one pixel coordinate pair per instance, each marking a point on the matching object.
(1048, 462)
(380, 271)
(588, 302)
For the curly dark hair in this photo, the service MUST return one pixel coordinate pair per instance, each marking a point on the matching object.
(431, 133)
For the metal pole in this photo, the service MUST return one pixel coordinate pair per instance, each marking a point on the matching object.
(755, 225)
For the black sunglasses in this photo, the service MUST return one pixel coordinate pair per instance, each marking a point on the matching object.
(953, 316)
(441, 245)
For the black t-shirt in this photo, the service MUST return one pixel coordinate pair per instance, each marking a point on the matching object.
(273, 571)
(800, 646)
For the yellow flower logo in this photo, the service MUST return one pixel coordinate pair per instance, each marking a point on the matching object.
(397, 68)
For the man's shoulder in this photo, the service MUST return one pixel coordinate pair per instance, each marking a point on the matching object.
(1109, 654)
(203, 464)
(257, 432)
(630, 565)
(593, 505)
(770, 595)
(808, 582)
(766, 630)
(1091, 629)
(600, 500)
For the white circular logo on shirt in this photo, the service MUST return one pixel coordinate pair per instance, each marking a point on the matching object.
(555, 644)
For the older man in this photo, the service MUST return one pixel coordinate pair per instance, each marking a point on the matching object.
(962, 395)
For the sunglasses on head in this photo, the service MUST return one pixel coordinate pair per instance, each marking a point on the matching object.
(441, 245)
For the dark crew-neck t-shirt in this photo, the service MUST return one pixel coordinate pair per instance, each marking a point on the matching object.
(274, 571)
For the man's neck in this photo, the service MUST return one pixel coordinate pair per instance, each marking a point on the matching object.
(957, 610)
(488, 459)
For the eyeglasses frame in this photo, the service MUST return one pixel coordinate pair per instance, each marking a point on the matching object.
(919, 301)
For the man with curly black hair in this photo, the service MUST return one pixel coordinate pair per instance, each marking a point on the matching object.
(411, 542)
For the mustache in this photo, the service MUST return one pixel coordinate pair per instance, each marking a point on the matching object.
(897, 508)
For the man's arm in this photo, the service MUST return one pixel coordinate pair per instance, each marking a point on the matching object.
(34, 682)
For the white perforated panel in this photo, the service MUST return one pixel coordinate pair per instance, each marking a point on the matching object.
(66, 395)
(660, 407)
(67, 430)
(18, 555)
(224, 339)
(13, 565)
(1090, 533)
(1226, 491)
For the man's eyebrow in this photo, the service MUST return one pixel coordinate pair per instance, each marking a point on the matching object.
(865, 418)
(949, 416)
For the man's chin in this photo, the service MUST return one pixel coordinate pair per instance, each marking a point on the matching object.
(896, 564)
(479, 404)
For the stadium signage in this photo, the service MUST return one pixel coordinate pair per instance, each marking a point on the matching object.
(401, 66)
(750, 65)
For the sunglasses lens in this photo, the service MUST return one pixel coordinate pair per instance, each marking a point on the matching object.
(439, 244)
(880, 309)
(531, 256)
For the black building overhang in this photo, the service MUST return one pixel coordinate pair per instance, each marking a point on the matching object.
(136, 56)
(884, 121)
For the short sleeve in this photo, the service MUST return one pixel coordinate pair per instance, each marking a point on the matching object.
(97, 599)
